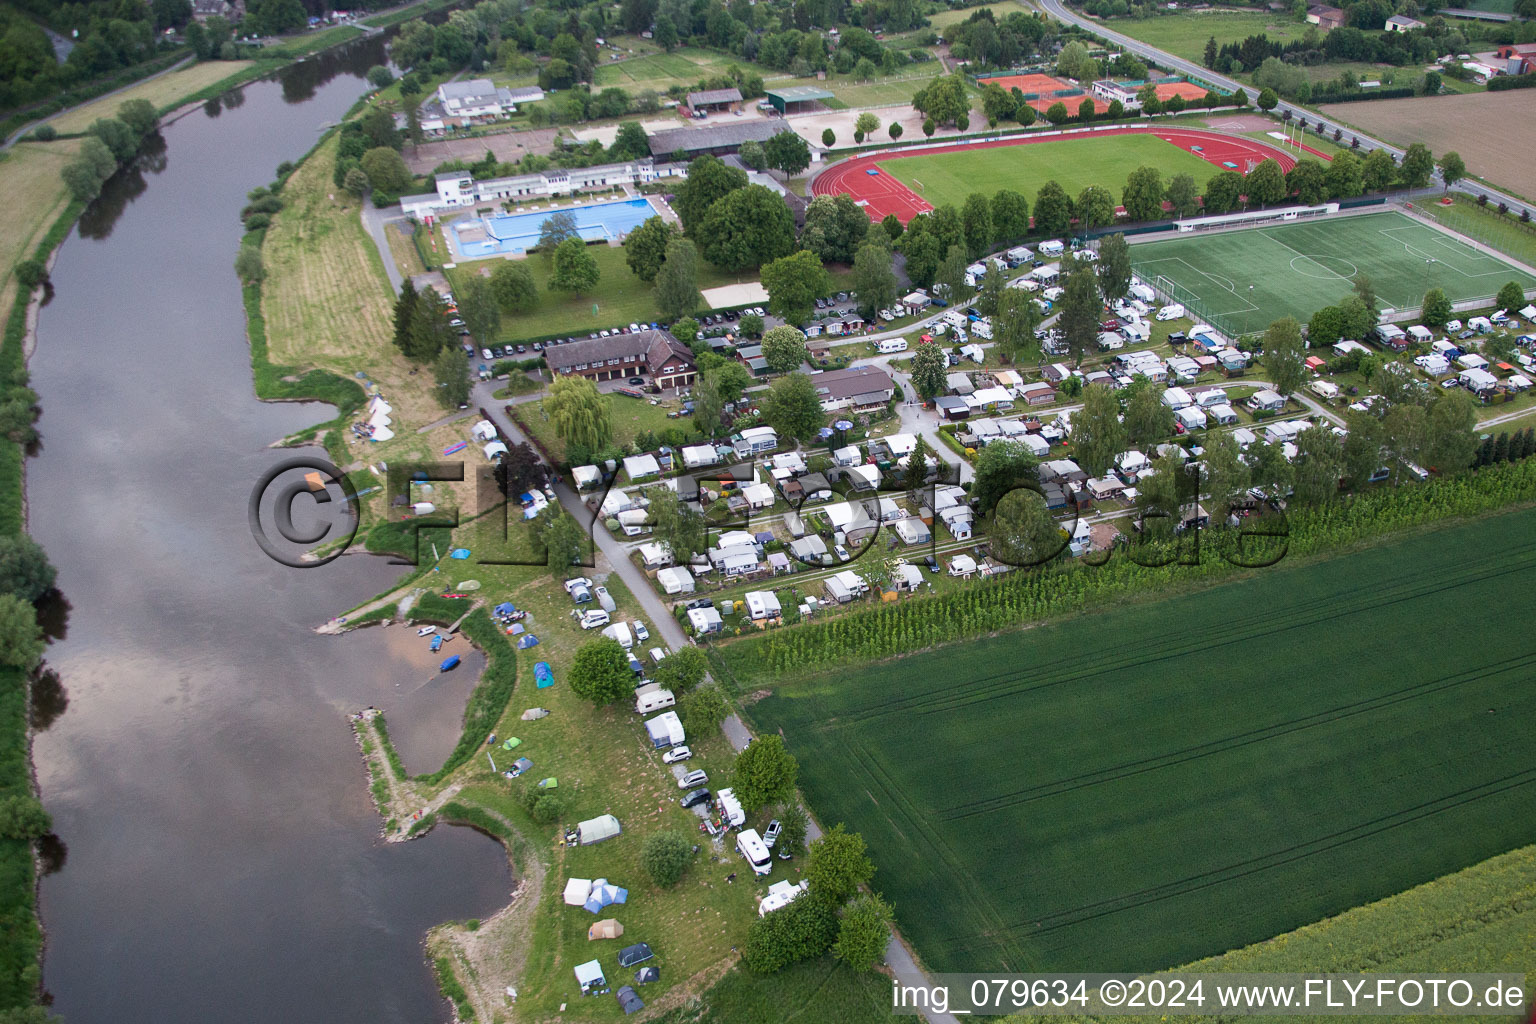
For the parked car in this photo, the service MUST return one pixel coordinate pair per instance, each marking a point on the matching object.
(842, 553)
(675, 755)
(521, 349)
(641, 633)
(771, 834)
(698, 602)
(485, 354)
(697, 777)
(601, 592)
(575, 582)
(635, 382)
(695, 798)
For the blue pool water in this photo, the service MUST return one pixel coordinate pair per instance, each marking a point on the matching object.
(519, 232)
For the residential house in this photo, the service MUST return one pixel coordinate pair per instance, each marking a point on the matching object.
(656, 353)
(1325, 17)
(1403, 23)
(1266, 401)
(856, 389)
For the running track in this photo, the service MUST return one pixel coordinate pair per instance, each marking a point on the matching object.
(882, 194)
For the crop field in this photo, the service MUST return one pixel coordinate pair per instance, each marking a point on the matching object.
(35, 197)
(1074, 164)
(1476, 125)
(161, 90)
(1243, 280)
(1148, 786)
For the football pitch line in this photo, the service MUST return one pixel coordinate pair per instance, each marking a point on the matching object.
(1459, 249)
(1219, 282)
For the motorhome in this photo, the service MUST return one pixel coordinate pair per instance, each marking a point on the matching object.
(751, 846)
(890, 345)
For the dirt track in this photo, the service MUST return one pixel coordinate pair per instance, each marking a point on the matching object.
(1491, 130)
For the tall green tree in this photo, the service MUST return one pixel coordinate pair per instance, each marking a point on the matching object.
(793, 408)
(21, 638)
(839, 863)
(1380, 171)
(479, 309)
(1053, 210)
(750, 227)
(783, 348)
(708, 181)
(1285, 355)
(24, 568)
(1309, 181)
(1095, 207)
(677, 284)
(929, 370)
(1013, 328)
(451, 371)
(1511, 297)
(1097, 434)
(1079, 309)
(1224, 475)
(578, 412)
(512, 284)
(405, 311)
(1183, 195)
(1265, 184)
(1223, 192)
(834, 228)
(1451, 432)
(873, 278)
(1022, 531)
(787, 152)
(564, 544)
(864, 932)
(683, 669)
(765, 772)
(1143, 197)
(1010, 215)
(1148, 419)
(600, 672)
(1000, 467)
(1418, 165)
(645, 248)
(976, 220)
(949, 280)
(1437, 308)
(1114, 267)
(794, 282)
(1319, 465)
(666, 855)
(575, 269)
(1344, 177)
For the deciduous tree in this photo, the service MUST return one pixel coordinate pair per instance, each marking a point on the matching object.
(1053, 210)
(1223, 192)
(575, 269)
(600, 672)
(793, 283)
(1418, 165)
(873, 278)
(864, 932)
(765, 773)
(645, 248)
(677, 283)
(750, 227)
(1143, 198)
(512, 284)
(839, 862)
(578, 412)
(1285, 355)
(1265, 184)
(1095, 208)
(793, 408)
(666, 855)
(1080, 307)
(1097, 434)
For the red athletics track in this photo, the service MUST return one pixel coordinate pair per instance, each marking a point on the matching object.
(882, 194)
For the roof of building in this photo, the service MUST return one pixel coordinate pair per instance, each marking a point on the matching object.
(526, 94)
(798, 94)
(1405, 21)
(692, 140)
(472, 88)
(854, 382)
(655, 346)
(714, 96)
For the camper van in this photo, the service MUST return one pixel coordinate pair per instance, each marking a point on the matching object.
(730, 808)
(1052, 248)
(1171, 312)
(890, 345)
(751, 846)
(653, 698)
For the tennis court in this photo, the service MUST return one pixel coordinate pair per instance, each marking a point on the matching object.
(518, 232)
(1241, 281)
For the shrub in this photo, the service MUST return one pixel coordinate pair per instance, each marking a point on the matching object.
(666, 856)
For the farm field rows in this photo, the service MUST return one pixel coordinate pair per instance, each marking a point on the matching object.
(1476, 125)
(1185, 34)
(1244, 280)
(1074, 164)
(1145, 787)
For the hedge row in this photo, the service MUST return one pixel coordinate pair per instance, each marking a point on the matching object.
(1070, 586)
(1506, 82)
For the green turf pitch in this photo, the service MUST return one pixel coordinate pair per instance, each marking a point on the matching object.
(1073, 164)
(1145, 787)
(1247, 279)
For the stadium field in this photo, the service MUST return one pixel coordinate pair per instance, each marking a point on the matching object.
(1168, 781)
(1074, 164)
(1241, 281)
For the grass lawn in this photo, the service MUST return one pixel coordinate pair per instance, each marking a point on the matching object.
(620, 298)
(630, 416)
(163, 91)
(1243, 280)
(1143, 787)
(1185, 34)
(881, 92)
(1487, 225)
(1074, 164)
(35, 197)
(939, 22)
(817, 990)
(685, 66)
(326, 299)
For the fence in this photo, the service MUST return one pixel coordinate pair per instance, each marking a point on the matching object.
(1230, 325)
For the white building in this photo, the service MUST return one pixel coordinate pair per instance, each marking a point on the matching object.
(459, 188)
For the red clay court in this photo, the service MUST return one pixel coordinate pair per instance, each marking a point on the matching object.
(881, 194)
(1045, 88)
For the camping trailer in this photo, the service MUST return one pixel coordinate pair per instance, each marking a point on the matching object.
(653, 698)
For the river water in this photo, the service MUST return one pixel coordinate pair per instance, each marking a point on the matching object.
(220, 853)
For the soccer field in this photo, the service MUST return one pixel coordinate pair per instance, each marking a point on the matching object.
(1074, 164)
(1145, 787)
(1241, 281)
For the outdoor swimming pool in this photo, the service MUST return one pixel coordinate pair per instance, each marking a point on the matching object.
(518, 232)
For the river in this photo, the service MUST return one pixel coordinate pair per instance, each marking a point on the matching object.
(220, 852)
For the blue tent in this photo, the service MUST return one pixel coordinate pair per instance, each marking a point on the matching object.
(605, 895)
(542, 674)
(459, 553)
(526, 642)
(505, 608)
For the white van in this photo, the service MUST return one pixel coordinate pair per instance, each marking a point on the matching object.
(890, 345)
(653, 698)
(620, 631)
(751, 846)
(1172, 312)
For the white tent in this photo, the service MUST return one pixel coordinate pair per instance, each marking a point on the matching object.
(494, 449)
(485, 430)
(381, 434)
(576, 891)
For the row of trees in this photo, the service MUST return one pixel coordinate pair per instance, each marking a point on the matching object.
(110, 142)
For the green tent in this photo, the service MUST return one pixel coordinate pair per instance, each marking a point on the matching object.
(549, 783)
(512, 743)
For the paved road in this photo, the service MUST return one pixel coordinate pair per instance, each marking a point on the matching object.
(375, 221)
(1060, 11)
(609, 550)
